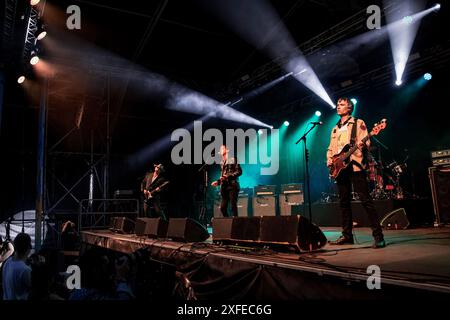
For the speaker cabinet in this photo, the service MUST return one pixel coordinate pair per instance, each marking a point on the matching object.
(122, 225)
(290, 203)
(264, 205)
(293, 231)
(151, 227)
(242, 206)
(186, 230)
(396, 219)
(237, 228)
(285, 231)
(440, 191)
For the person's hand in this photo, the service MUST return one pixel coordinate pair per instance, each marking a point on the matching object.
(215, 184)
(157, 189)
(361, 146)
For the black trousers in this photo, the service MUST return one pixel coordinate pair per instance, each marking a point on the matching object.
(229, 194)
(344, 182)
(154, 203)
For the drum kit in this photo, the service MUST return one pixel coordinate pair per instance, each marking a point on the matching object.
(384, 181)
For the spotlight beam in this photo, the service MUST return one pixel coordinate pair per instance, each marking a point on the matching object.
(402, 33)
(266, 31)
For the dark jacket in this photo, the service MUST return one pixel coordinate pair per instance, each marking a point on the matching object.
(231, 170)
(149, 185)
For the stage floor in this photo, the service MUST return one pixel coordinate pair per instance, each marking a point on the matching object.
(418, 259)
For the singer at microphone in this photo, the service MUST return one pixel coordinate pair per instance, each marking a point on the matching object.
(317, 123)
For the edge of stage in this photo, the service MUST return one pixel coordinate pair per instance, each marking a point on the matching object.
(415, 263)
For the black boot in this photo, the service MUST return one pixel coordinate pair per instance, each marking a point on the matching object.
(342, 240)
(379, 243)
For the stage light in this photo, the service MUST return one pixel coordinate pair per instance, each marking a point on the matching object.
(318, 113)
(21, 79)
(286, 123)
(40, 32)
(427, 76)
(34, 2)
(34, 58)
(402, 29)
(408, 19)
(398, 83)
(260, 131)
(354, 101)
(437, 6)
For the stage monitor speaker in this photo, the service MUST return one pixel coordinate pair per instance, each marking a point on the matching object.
(246, 229)
(440, 191)
(151, 227)
(396, 219)
(264, 206)
(290, 203)
(283, 231)
(222, 228)
(186, 230)
(293, 231)
(122, 225)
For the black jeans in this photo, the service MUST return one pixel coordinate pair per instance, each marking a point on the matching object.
(344, 182)
(156, 204)
(230, 194)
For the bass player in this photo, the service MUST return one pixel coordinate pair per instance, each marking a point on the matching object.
(350, 130)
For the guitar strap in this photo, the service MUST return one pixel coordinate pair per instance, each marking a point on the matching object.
(353, 141)
(353, 136)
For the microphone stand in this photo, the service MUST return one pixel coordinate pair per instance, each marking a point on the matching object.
(202, 216)
(303, 138)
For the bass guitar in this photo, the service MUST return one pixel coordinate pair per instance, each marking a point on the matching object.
(341, 160)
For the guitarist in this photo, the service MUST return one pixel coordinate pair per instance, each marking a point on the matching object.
(229, 185)
(350, 130)
(151, 188)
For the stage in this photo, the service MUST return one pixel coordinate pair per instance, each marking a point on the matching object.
(415, 263)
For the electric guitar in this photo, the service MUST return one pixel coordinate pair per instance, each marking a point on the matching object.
(341, 160)
(148, 194)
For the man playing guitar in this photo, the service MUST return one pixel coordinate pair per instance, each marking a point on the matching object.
(352, 131)
(151, 187)
(229, 185)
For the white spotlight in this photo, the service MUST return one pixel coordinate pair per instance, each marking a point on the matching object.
(34, 58)
(21, 79)
(398, 83)
(437, 6)
(34, 2)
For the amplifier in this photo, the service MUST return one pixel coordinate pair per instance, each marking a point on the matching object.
(292, 188)
(265, 190)
(440, 154)
(440, 191)
(290, 203)
(242, 206)
(264, 205)
(440, 161)
(118, 194)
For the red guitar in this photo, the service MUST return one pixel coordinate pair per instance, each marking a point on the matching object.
(342, 159)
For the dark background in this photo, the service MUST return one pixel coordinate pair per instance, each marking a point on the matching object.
(188, 45)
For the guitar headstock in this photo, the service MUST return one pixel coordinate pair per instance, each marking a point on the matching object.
(379, 126)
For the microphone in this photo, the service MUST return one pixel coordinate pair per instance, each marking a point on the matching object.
(317, 123)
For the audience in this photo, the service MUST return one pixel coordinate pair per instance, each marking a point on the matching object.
(16, 273)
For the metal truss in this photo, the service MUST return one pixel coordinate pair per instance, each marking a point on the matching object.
(343, 29)
(435, 57)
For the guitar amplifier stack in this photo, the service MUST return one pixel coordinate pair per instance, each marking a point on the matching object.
(264, 201)
(242, 204)
(440, 157)
(291, 198)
